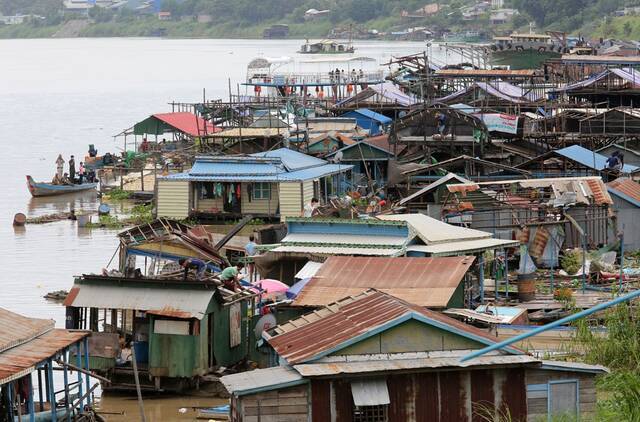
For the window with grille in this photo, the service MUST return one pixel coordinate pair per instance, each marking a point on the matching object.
(261, 190)
(370, 413)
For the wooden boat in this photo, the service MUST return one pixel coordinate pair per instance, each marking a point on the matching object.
(49, 189)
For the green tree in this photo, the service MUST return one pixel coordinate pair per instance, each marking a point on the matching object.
(627, 29)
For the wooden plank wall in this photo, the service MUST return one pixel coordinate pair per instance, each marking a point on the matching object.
(286, 405)
(537, 398)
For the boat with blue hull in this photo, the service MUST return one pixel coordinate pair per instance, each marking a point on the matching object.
(49, 189)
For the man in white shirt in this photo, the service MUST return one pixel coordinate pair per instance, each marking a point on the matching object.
(310, 208)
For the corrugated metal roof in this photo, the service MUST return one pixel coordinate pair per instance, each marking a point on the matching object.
(187, 123)
(369, 366)
(468, 246)
(626, 189)
(333, 250)
(343, 239)
(497, 315)
(484, 73)
(594, 188)
(309, 270)
(292, 160)
(317, 334)
(21, 360)
(16, 329)
(369, 392)
(573, 366)
(261, 380)
(421, 281)
(589, 158)
(250, 132)
(380, 118)
(188, 303)
(294, 176)
(433, 231)
(443, 180)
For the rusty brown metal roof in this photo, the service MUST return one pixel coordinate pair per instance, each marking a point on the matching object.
(600, 194)
(16, 329)
(422, 281)
(315, 335)
(626, 187)
(21, 360)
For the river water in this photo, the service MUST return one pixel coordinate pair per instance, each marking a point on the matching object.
(58, 96)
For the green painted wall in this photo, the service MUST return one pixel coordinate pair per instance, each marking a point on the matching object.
(322, 147)
(224, 354)
(457, 299)
(368, 152)
(176, 355)
(410, 336)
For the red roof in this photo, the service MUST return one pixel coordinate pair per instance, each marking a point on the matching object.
(421, 281)
(626, 187)
(316, 334)
(187, 123)
(382, 142)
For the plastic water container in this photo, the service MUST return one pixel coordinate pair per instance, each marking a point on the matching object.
(142, 351)
(83, 219)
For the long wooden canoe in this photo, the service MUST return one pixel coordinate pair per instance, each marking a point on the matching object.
(48, 189)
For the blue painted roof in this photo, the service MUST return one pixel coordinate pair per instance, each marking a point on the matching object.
(589, 159)
(284, 176)
(230, 167)
(292, 160)
(281, 165)
(380, 118)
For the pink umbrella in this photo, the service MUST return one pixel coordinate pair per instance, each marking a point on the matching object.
(270, 287)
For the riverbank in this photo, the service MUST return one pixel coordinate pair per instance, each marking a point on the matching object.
(155, 28)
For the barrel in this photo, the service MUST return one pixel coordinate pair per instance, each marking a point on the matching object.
(526, 287)
(104, 209)
(19, 219)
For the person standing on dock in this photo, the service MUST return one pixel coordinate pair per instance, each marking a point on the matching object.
(442, 123)
(72, 169)
(59, 166)
(250, 251)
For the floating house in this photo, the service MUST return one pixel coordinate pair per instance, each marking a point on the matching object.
(370, 157)
(374, 123)
(620, 121)
(498, 95)
(30, 349)
(414, 235)
(179, 329)
(427, 200)
(626, 203)
(326, 143)
(374, 357)
(615, 86)
(547, 214)
(164, 241)
(436, 283)
(273, 185)
(180, 124)
(385, 96)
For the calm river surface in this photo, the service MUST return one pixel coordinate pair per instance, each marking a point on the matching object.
(58, 96)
